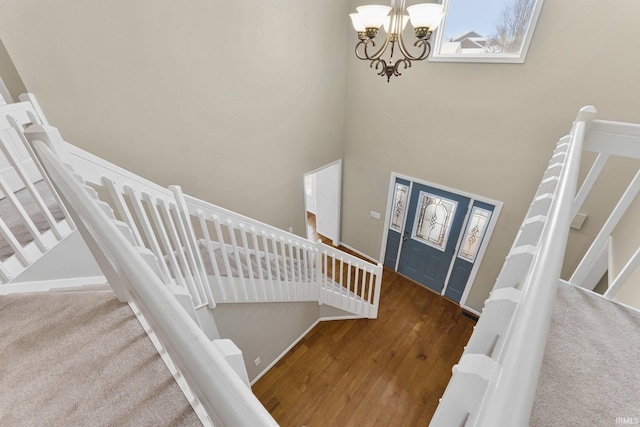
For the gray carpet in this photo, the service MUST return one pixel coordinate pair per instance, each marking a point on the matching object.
(82, 359)
(11, 217)
(591, 369)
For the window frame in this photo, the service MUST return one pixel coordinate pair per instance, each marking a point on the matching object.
(504, 58)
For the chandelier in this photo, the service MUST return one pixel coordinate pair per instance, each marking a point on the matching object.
(424, 17)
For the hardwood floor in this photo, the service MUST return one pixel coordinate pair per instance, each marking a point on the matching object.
(390, 371)
(312, 232)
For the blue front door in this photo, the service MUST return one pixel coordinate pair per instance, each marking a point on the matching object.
(432, 230)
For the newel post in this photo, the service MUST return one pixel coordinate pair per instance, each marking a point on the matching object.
(50, 136)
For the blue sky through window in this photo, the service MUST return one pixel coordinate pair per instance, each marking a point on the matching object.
(480, 16)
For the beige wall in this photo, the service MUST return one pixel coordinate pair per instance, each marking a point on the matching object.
(264, 330)
(9, 74)
(487, 129)
(232, 100)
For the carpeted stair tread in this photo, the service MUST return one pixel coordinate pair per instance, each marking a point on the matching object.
(591, 369)
(235, 270)
(82, 359)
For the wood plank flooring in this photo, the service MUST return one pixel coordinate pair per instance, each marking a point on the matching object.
(390, 371)
(312, 233)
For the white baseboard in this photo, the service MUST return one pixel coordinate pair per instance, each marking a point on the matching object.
(347, 317)
(471, 310)
(363, 255)
(52, 285)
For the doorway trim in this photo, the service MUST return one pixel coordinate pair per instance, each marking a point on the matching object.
(485, 242)
(336, 241)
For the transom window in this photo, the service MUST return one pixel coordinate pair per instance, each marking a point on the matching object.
(433, 220)
(486, 31)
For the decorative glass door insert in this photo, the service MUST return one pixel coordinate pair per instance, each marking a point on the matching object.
(432, 223)
(476, 227)
(399, 206)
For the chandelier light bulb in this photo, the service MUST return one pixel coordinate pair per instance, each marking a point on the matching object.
(426, 15)
(357, 22)
(373, 16)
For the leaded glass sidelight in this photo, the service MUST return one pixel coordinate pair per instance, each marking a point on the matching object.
(399, 206)
(476, 228)
(433, 220)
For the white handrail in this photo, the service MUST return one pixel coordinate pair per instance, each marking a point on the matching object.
(494, 384)
(514, 390)
(225, 397)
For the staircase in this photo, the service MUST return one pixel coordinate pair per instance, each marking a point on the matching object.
(172, 256)
(213, 255)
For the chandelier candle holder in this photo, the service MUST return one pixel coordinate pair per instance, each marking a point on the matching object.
(424, 17)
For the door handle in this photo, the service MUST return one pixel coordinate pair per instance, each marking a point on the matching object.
(404, 238)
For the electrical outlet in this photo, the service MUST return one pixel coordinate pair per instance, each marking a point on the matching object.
(258, 361)
(375, 214)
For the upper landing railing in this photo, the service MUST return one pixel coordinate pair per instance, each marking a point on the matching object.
(494, 384)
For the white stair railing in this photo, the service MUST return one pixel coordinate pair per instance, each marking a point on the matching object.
(349, 283)
(149, 210)
(227, 400)
(273, 265)
(20, 173)
(218, 255)
(608, 138)
(494, 383)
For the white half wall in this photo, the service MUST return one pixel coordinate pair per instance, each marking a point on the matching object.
(68, 260)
